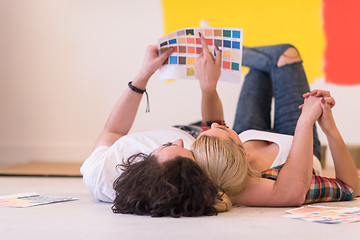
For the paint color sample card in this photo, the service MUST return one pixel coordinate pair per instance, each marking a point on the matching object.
(323, 214)
(187, 47)
(22, 200)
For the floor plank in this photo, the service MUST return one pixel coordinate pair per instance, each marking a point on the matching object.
(64, 169)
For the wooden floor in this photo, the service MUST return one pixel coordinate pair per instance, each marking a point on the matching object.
(60, 169)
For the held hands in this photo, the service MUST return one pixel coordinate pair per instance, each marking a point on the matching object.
(207, 67)
(311, 109)
(321, 93)
(326, 102)
(326, 121)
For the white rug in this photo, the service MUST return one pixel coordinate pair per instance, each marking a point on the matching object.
(87, 219)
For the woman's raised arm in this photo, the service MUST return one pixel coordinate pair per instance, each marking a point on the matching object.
(207, 70)
(294, 179)
(345, 168)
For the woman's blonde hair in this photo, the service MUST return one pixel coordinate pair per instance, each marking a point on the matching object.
(225, 163)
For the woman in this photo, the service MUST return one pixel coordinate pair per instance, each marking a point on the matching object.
(271, 165)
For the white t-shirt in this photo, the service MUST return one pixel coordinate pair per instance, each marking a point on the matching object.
(282, 140)
(99, 170)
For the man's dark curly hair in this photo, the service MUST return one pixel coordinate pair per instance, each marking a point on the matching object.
(174, 188)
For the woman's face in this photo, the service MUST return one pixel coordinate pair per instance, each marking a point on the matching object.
(223, 133)
(171, 150)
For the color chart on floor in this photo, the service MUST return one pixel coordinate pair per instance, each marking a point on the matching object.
(187, 46)
(22, 200)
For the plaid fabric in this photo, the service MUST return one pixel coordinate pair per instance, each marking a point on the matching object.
(322, 189)
(206, 125)
(190, 129)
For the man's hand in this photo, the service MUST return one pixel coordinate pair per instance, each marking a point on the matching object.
(152, 62)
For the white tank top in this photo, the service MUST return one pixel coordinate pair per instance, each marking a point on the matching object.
(282, 140)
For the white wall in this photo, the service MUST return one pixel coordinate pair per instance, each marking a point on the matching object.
(346, 113)
(64, 63)
(63, 66)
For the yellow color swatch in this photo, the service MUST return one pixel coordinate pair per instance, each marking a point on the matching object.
(190, 72)
(190, 61)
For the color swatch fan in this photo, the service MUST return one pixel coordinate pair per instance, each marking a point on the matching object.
(187, 47)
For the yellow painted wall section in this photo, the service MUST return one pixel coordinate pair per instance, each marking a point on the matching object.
(298, 22)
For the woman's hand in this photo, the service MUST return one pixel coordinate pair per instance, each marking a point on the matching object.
(326, 121)
(320, 93)
(152, 62)
(311, 109)
(207, 68)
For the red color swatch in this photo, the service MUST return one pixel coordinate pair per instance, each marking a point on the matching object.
(226, 65)
(341, 26)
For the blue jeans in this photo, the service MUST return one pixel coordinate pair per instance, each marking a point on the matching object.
(263, 82)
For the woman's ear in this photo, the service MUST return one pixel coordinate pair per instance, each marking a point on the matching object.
(247, 156)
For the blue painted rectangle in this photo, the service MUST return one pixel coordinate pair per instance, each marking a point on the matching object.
(227, 43)
(236, 34)
(172, 41)
(236, 45)
(173, 59)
